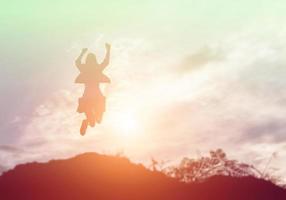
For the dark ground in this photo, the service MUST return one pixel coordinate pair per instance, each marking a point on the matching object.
(92, 176)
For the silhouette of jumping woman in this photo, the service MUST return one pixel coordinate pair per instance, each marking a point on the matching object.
(92, 103)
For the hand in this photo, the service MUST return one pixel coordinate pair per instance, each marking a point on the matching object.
(84, 50)
(107, 46)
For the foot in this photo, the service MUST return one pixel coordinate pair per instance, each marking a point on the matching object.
(83, 127)
(91, 119)
(98, 118)
(92, 122)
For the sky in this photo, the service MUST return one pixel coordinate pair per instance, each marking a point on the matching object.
(187, 77)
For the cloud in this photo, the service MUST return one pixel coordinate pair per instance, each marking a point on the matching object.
(272, 131)
(235, 100)
(9, 149)
(200, 58)
(2, 169)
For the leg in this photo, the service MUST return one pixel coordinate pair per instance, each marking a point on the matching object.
(98, 116)
(90, 118)
(88, 121)
(99, 109)
(83, 127)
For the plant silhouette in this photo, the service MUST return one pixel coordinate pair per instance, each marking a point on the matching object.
(217, 163)
(93, 176)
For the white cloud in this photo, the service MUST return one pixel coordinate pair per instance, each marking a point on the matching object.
(235, 101)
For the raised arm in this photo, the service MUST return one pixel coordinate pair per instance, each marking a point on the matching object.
(78, 60)
(105, 62)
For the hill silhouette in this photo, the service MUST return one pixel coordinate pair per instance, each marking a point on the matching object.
(93, 176)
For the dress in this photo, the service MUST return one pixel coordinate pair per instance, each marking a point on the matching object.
(92, 102)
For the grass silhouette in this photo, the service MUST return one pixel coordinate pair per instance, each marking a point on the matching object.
(93, 176)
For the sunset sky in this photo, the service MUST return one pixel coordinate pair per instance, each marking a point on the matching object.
(186, 77)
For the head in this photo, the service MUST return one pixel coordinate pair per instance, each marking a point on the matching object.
(91, 59)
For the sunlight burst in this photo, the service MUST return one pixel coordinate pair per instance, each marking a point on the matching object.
(127, 124)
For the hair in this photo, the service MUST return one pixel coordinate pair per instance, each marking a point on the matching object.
(91, 59)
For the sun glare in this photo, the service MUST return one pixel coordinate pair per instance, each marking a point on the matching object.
(127, 124)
